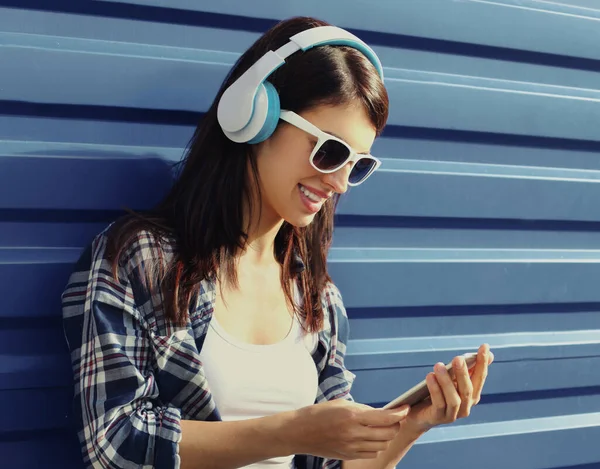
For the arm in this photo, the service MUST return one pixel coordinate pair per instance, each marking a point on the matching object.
(393, 455)
(209, 445)
(407, 435)
(121, 421)
(134, 432)
(449, 401)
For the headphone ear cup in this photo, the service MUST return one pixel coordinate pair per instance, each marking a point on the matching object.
(273, 111)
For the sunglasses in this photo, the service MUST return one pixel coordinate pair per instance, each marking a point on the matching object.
(331, 153)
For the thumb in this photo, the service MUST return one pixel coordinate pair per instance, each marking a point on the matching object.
(383, 417)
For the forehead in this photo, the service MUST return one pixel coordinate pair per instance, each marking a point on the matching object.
(350, 123)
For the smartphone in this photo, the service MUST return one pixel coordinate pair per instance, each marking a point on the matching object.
(420, 392)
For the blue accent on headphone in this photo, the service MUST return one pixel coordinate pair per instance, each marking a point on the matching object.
(272, 118)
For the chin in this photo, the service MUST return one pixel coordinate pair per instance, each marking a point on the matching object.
(300, 221)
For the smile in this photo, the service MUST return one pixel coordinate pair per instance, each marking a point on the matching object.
(312, 196)
(311, 201)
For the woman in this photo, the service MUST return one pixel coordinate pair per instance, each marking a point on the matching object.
(206, 333)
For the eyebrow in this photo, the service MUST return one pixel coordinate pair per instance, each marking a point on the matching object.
(335, 135)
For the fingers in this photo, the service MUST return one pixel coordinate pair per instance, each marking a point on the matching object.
(379, 433)
(490, 361)
(366, 455)
(481, 372)
(451, 396)
(464, 385)
(369, 441)
(372, 446)
(438, 402)
(454, 396)
(382, 417)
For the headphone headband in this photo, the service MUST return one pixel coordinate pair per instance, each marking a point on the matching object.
(245, 110)
(332, 35)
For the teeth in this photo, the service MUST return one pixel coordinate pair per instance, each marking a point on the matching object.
(310, 195)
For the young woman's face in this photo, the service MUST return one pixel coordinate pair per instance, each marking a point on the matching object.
(291, 188)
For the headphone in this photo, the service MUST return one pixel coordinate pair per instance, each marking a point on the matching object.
(248, 111)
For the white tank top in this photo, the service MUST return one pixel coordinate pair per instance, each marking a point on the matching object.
(251, 381)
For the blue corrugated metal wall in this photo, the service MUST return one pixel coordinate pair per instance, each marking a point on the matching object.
(483, 224)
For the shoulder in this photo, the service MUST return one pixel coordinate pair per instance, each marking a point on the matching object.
(138, 254)
(141, 251)
(96, 276)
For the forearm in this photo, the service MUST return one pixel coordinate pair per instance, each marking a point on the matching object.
(406, 438)
(228, 445)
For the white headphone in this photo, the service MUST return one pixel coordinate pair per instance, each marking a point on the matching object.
(248, 110)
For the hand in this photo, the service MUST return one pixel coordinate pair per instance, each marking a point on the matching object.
(345, 430)
(451, 400)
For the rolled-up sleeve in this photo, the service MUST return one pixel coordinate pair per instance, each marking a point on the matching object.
(121, 420)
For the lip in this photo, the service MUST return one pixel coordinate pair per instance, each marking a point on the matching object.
(312, 207)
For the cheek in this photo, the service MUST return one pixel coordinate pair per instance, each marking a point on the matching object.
(298, 162)
(283, 163)
(275, 178)
(285, 168)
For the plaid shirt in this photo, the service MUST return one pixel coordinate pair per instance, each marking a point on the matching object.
(137, 375)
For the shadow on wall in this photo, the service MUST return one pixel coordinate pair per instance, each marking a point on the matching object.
(55, 202)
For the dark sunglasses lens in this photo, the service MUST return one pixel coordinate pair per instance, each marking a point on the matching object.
(330, 155)
(361, 170)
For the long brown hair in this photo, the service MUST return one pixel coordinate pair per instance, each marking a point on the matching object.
(203, 211)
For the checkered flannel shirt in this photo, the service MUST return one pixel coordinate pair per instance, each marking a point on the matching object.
(136, 375)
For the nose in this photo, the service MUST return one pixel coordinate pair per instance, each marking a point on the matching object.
(338, 180)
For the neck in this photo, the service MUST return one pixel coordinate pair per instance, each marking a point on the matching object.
(260, 245)
(262, 225)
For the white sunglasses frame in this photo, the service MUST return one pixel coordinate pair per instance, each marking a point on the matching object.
(298, 121)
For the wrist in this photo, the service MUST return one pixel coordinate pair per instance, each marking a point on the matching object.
(285, 431)
(413, 430)
(409, 433)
